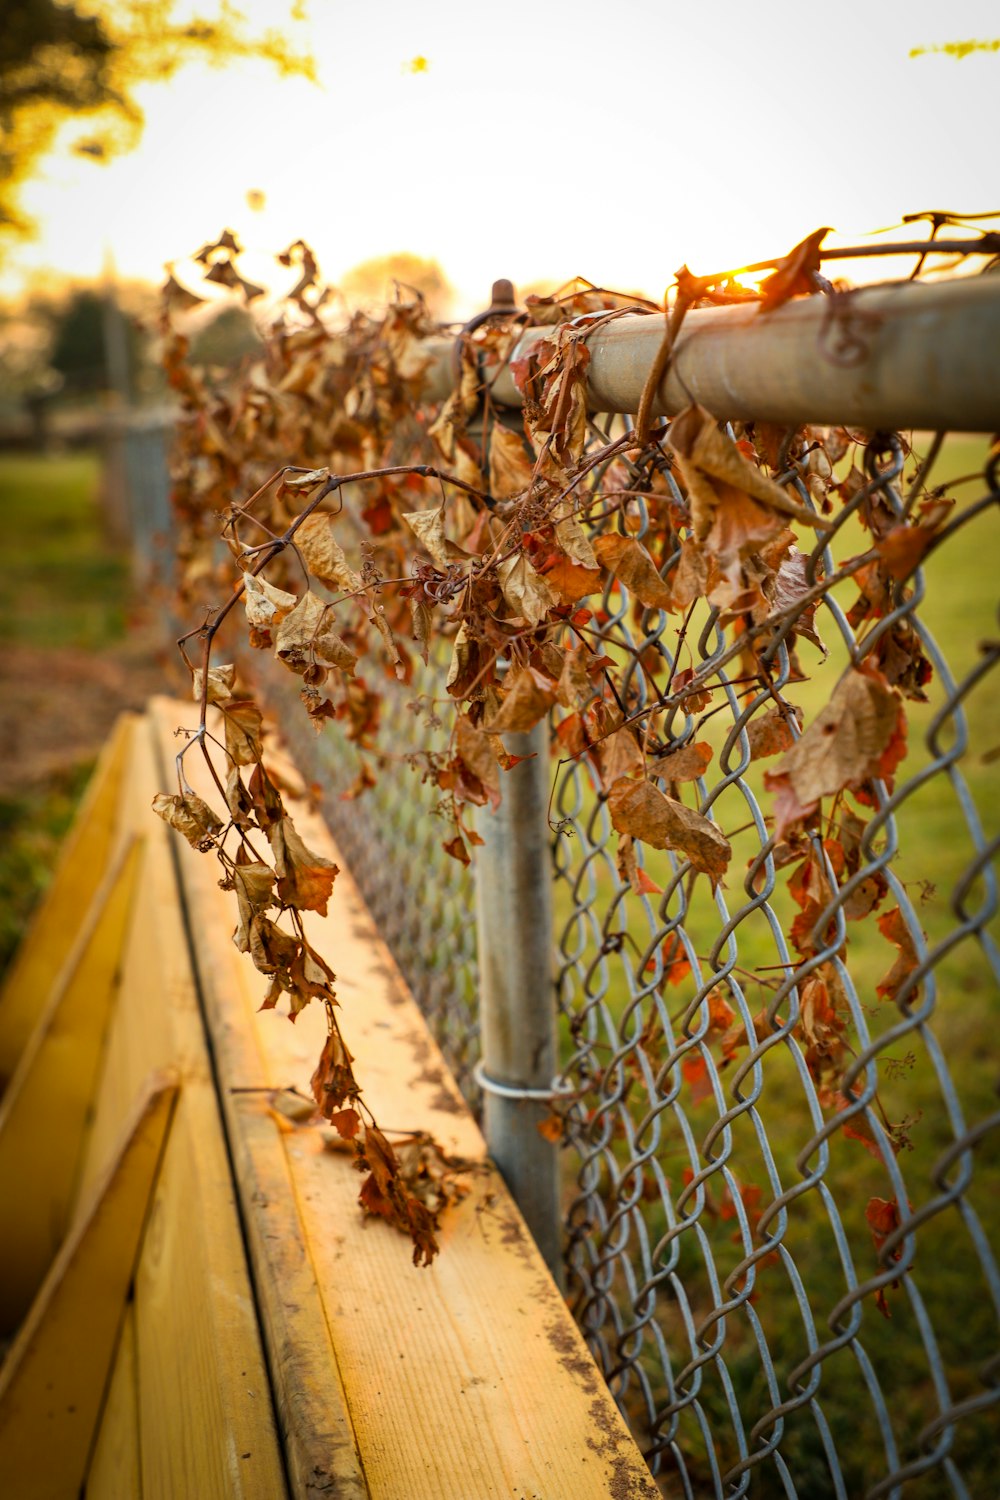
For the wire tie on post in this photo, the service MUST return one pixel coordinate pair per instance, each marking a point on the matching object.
(516, 1091)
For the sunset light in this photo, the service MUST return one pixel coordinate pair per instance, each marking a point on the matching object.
(615, 144)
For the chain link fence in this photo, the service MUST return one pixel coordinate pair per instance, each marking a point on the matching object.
(786, 1275)
(776, 1097)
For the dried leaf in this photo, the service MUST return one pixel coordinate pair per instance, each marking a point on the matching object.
(510, 466)
(629, 561)
(791, 587)
(428, 527)
(266, 606)
(190, 816)
(528, 696)
(860, 733)
(686, 764)
(305, 880)
(253, 883)
(569, 581)
(893, 926)
(713, 468)
(770, 734)
(575, 543)
(307, 635)
(620, 755)
(324, 555)
(220, 683)
(641, 809)
(525, 592)
(242, 719)
(333, 1083)
(794, 276)
(474, 750)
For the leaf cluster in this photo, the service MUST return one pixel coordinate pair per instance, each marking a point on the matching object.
(507, 542)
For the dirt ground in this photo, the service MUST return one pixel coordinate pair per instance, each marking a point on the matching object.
(58, 705)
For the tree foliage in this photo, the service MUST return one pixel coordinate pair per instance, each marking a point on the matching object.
(78, 65)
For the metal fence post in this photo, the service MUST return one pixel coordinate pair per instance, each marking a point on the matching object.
(517, 1001)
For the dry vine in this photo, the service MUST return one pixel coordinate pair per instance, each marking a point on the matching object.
(481, 533)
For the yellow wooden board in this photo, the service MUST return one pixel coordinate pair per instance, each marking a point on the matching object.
(53, 1380)
(204, 1404)
(114, 1467)
(44, 1111)
(467, 1379)
(83, 860)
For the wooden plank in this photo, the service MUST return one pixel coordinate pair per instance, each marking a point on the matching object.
(469, 1378)
(316, 1428)
(53, 1381)
(207, 1426)
(43, 1112)
(114, 1468)
(84, 858)
(204, 1403)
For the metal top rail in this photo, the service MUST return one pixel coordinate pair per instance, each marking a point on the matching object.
(905, 355)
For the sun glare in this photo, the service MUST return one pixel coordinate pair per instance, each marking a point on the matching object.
(617, 148)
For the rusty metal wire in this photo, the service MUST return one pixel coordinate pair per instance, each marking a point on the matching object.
(719, 1260)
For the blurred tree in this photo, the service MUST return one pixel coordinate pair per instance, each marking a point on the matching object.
(372, 283)
(224, 340)
(80, 342)
(78, 64)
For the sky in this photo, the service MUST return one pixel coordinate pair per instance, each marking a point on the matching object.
(543, 140)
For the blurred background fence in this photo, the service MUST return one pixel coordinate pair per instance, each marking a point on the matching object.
(788, 1285)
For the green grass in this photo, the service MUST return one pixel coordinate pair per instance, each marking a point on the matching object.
(62, 585)
(935, 847)
(62, 588)
(32, 827)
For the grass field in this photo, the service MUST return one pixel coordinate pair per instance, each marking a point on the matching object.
(62, 585)
(934, 849)
(62, 589)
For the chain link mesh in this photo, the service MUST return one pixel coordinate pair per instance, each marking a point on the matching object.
(762, 1332)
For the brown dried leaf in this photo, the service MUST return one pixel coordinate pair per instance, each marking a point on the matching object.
(791, 587)
(620, 755)
(307, 634)
(510, 466)
(190, 816)
(305, 880)
(220, 683)
(266, 606)
(242, 719)
(641, 809)
(629, 561)
(421, 627)
(253, 882)
(794, 276)
(528, 697)
(378, 619)
(525, 592)
(686, 764)
(333, 1083)
(709, 459)
(575, 543)
(849, 740)
(474, 750)
(893, 926)
(428, 527)
(324, 555)
(770, 734)
(569, 581)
